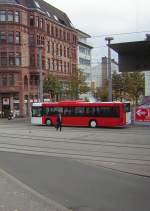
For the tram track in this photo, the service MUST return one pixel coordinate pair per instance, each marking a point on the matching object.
(78, 157)
(81, 154)
(75, 141)
(76, 150)
(121, 149)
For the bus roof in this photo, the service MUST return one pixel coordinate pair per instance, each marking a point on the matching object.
(74, 103)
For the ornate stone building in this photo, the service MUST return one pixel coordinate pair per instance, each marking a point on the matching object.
(25, 26)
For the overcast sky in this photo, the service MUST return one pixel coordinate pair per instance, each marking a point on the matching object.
(106, 17)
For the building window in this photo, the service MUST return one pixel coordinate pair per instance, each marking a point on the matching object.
(43, 41)
(17, 17)
(74, 39)
(2, 15)
(31, 40)
(10, 38)
(37, 22)
(11, 59)
(43, 62)
(37, 4)
(49, 15)
(11, 79)
(56, 32)
(3, 37)
(68, 36)
(18, 59)
(41, 23)
(38, 40)
(4, 80)
(84, 61)
(68, 51)
(64, 35)
(4, 59)
(48, 46)
(64, 67)
(60, 50)
(53, 64)
(17, 38)
(57, 50)
(49, 64)
(56, 18)
(32, 60)
(64, 51)
(48, 28)
(57, 65)
(31, 20)
(10, 16)
(61, 67)
(53, 50)
(52, 30)
(68, 67)
(60, 34)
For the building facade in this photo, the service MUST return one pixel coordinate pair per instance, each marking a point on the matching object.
(147, 83)
(26, 26)
(100, 72)
(84, 56)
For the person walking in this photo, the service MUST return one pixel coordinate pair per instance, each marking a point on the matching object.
(58, 121)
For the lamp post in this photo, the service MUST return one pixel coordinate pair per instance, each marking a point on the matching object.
(109, 39)
(40, 47)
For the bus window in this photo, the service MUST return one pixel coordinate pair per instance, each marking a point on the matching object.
(36, 111)
(53, 110)
(115, 112)
(105, 111)
(79, 111)
(47, 111)
(67, 111)
(90, 111)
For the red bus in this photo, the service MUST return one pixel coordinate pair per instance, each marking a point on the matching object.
(80, 113)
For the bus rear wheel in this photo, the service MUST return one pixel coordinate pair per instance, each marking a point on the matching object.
(93, 123)
(48, 122)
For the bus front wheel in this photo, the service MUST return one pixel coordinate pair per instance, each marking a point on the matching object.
(93, 124)
(48, 122)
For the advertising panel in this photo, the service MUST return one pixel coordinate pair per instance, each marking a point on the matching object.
(142, 114)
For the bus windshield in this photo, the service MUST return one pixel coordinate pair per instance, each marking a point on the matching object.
(36, 111)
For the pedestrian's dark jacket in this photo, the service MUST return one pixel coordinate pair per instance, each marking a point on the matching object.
(58, 121)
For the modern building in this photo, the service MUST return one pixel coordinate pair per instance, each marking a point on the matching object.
(147, 83)
(28, 27)
(85, 56)
(100, 72)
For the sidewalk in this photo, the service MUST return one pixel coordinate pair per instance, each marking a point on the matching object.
(15, 196)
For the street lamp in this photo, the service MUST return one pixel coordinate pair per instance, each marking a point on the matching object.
(109, 39)
(40, 47)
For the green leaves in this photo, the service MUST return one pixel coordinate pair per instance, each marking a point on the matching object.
(77, 85)
(52, 86)
(128, 86)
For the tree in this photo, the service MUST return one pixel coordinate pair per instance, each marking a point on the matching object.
(52, 86)
(135, 85)
(117, 86)
(77, 85)
(101, 93)
(128, 86)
